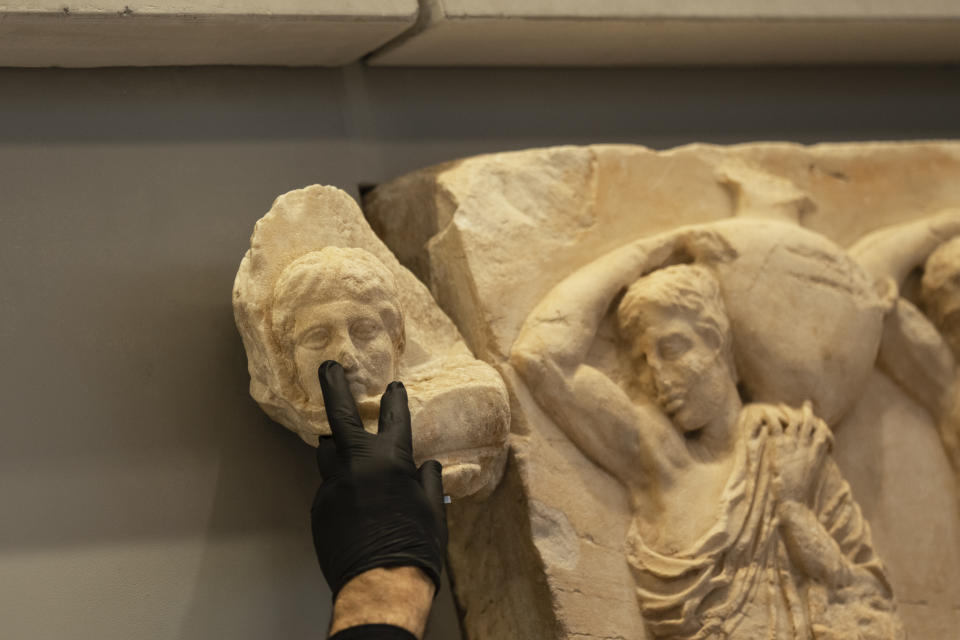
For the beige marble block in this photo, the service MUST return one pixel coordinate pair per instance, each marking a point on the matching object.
(680, 32)
(316, 285)
(100, 33)
(732, 381)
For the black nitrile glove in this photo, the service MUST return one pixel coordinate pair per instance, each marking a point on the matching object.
(374, 508)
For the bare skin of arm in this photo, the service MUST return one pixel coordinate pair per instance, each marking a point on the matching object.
(802, 464)
(400, 596)
(633, 443)
(915, 355)
(895, 251)
(912, 351)
(801, 444)
(811, 546)
(594, 411)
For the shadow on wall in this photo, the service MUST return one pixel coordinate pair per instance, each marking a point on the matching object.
(480, 109)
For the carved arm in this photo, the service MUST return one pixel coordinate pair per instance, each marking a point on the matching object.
(830, 539)
(564, 324)
(895, 251)
(912, 351)
(628, 440)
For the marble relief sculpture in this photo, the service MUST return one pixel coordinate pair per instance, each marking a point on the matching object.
(922, 335)
(315, 285)
(787, 553)
(735, 404)
(731, 394)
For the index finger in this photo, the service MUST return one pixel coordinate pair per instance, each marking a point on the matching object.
(342, 414)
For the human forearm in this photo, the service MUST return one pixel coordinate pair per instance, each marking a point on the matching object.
(896, 250)
(811, 546)
(563, 326)
(917, 357)
(378, 521)
(398, 596)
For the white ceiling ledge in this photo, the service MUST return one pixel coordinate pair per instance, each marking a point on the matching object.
(38, 33)
(678, 32)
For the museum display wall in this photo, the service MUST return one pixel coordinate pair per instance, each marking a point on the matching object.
(147, 495)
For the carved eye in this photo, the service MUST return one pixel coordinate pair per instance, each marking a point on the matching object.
(673, 346)
(316, 339)
(364, 329)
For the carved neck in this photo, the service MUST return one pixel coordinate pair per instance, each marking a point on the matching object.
(717, 439)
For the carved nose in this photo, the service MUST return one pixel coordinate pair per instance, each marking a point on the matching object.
(659, 384)
(347, 358)
(665, 388)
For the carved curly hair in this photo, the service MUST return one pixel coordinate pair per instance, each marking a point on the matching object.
(334, 273)
(689, 288)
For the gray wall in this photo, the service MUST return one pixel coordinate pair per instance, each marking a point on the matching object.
(143, 494)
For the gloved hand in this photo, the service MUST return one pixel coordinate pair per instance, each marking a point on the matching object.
(374, 508)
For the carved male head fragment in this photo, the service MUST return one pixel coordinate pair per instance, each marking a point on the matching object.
(338, 304)
(678, 333)
(317, 284)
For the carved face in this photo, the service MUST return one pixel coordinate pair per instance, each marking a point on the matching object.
(338, 304)
(351, 333)
(683, 367)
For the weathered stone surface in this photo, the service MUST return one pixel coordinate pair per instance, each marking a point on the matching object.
(615, 32)
(791, 341)
(98, 33)
(317, 284)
